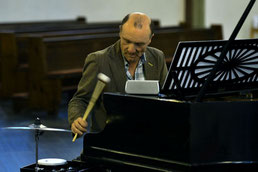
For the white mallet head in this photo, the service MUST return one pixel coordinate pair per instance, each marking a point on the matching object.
(104, 78)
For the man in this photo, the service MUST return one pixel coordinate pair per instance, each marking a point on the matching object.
(128, 58)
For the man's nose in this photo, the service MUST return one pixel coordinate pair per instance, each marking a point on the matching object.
(131, 48)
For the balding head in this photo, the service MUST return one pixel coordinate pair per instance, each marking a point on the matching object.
(137, 20)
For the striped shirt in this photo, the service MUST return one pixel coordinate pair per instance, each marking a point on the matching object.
(139, 71)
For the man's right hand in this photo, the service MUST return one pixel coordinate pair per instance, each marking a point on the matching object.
(79, 126)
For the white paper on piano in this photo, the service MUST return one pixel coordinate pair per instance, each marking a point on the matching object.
(149, 87)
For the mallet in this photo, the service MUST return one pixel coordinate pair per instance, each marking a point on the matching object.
(102, 81)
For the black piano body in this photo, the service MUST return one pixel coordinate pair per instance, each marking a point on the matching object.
(153, 134)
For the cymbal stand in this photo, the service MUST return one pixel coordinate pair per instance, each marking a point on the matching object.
(37, 134)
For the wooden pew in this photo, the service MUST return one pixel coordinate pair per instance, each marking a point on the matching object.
(54, 59)
(12, 66)
(19, 25)
(6, 52)
(14, 56)
(12, 41)
(167, 40)
(31, 27)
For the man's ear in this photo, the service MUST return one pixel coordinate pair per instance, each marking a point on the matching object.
(151, 38)
(152, 35)
(120, 30)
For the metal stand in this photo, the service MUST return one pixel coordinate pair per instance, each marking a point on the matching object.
(37, 145)
(37, 123)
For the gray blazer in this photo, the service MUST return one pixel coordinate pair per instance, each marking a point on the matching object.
(110, 62)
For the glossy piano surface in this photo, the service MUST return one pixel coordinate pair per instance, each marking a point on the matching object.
(162, 134)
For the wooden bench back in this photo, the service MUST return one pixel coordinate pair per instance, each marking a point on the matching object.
(53, 54)
(14, 49)
(167, 40)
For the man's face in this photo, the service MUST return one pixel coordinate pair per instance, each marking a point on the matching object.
(134, 42)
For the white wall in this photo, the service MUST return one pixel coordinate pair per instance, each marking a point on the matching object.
(170, 12)
(228, 13)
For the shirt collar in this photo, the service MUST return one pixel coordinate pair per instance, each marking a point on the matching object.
(142, 58)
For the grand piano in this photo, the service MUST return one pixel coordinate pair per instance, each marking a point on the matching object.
(204, 119)
(167, 135)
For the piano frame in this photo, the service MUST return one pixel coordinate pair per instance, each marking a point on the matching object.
(163, 134)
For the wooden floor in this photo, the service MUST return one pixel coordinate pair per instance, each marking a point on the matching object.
(17, 147)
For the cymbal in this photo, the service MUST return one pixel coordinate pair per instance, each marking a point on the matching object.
(37, 127)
